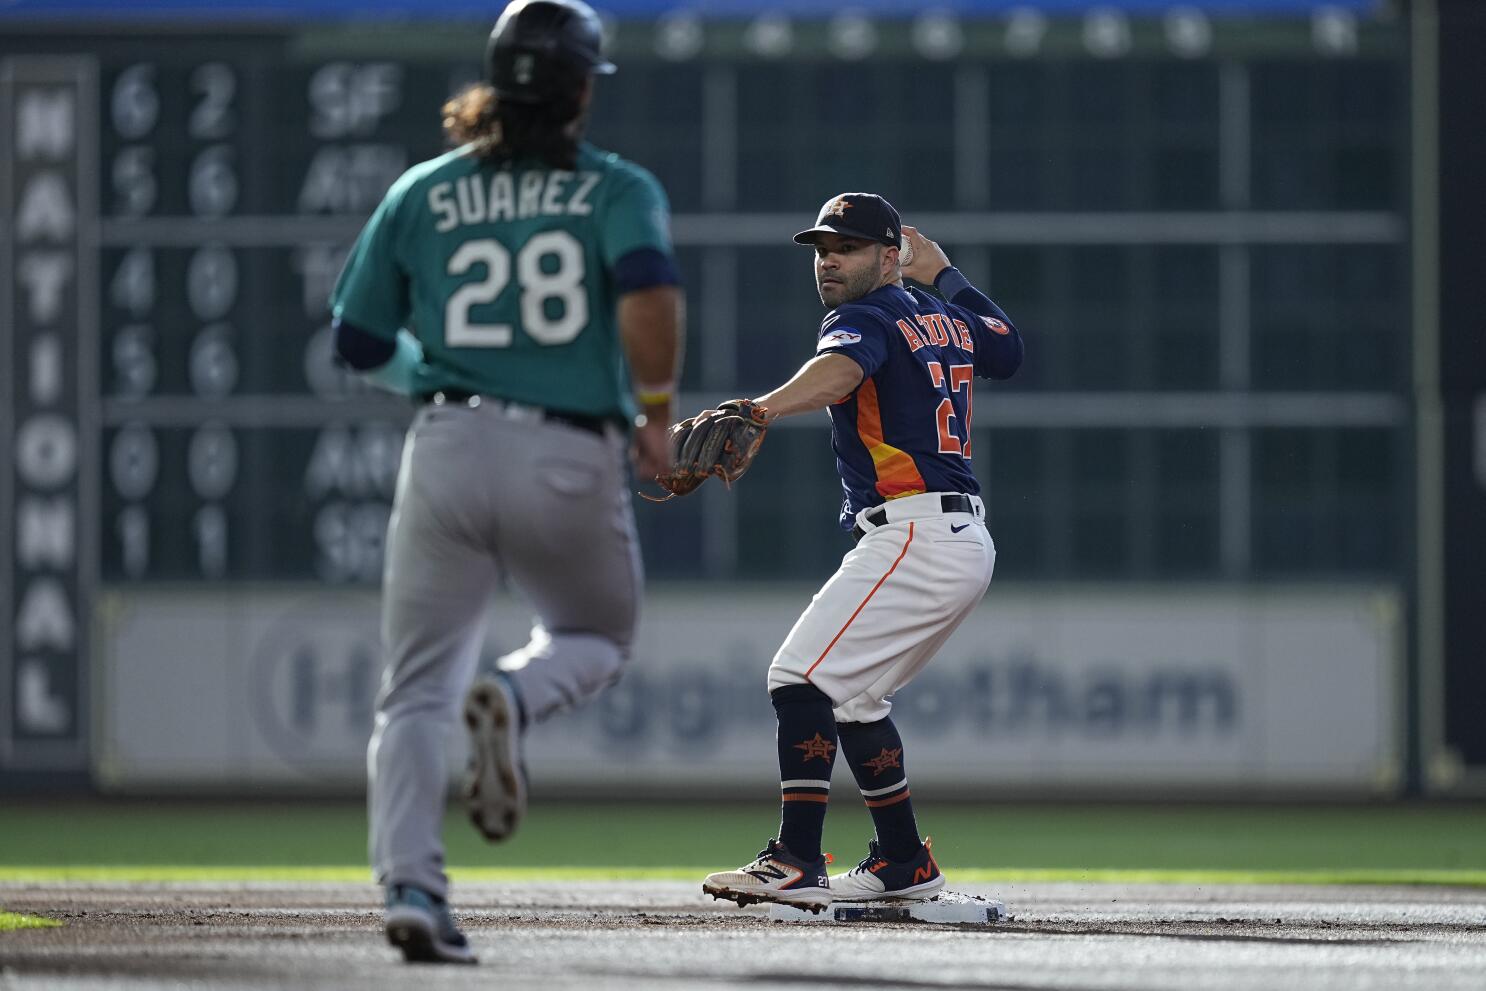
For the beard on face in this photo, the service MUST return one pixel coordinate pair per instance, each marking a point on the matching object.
(853, 286)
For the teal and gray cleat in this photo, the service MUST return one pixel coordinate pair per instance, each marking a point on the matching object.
(420, 925)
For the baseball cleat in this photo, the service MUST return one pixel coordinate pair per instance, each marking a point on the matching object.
(495, 784)
(420, 925)
(876, 877)
(776, 876)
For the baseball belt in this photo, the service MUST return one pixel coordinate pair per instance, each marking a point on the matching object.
(949, 502)
(582, 421)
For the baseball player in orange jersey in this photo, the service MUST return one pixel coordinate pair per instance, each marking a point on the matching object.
(894, 367)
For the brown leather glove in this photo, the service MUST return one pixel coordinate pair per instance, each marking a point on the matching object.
(722, 442)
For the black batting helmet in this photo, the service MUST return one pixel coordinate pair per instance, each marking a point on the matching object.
(543, 50)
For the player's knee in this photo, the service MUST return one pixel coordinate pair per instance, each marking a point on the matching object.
(586, 663)
(611, 656)
(864, 710)
(790, 694)
(781, 676)
(786, 669)
(610, 660)
(857, 727)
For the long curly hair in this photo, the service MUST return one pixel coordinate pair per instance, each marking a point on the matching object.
(504, 132)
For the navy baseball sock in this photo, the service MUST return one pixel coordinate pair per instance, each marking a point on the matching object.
(875, 753)
(807, 752)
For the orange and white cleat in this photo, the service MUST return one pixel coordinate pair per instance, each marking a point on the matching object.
(776, 876)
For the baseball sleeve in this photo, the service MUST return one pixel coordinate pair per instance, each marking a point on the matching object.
(637, 217)
(998, 344)
(856, 335)
(372, 291)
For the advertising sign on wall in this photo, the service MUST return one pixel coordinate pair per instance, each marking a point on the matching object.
(1072, 692)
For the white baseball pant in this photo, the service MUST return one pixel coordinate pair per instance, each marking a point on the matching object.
(898, 595)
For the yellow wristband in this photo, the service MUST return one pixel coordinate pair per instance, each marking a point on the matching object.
(656, 397)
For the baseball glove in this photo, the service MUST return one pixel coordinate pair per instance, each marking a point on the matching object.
(721, 442)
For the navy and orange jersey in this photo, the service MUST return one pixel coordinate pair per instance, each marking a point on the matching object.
(906, 428)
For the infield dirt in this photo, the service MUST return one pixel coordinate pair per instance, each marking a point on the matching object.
(632, 935)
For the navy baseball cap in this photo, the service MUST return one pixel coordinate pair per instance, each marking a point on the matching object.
(864, 215)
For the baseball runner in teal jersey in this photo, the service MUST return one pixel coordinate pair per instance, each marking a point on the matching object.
(522, 289)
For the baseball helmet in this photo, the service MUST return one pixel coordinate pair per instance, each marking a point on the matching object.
(543, 50)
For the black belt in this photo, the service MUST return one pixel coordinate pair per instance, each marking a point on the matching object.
(582, 421)
(949, 502)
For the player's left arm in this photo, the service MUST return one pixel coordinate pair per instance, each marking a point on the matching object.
(635, 242)
(820, 382)
(651, 329)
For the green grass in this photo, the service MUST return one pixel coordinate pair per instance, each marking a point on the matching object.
(133, 841)
(228, 873)
(12, 920)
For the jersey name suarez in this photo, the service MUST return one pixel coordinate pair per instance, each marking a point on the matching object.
(504, 195)
(504, 273)
(906, 428)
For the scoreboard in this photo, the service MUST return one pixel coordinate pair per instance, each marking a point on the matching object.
(175, 213)
(178, 224)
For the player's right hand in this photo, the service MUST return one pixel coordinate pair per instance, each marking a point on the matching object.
(928, 258)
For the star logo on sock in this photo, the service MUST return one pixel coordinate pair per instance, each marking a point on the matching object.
(883, 761)
(818, 747)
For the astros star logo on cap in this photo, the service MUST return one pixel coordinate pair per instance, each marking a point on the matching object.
(836, 208)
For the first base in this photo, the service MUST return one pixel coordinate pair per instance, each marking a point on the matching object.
(950, 907)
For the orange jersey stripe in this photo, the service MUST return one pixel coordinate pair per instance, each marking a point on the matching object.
(897, 475)
(893, 800)
(901, 555)
(807, 798)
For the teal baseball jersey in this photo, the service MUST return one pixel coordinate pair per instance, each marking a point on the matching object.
(504, 274)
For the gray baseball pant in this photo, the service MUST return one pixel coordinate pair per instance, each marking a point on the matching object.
(483, 493)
